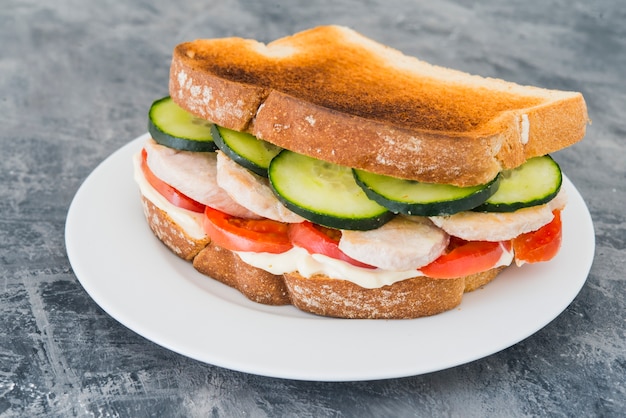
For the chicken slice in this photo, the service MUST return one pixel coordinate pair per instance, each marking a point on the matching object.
(193, 174)
(251, 191)
(399, 245)
(492, 226)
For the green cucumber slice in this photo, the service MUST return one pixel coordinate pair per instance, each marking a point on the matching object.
(422, 199)
(324, 193)
(174, 127)
(245, 149)
(535, 182)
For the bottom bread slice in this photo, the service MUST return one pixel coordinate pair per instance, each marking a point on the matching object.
(410, 298)
(322, 295)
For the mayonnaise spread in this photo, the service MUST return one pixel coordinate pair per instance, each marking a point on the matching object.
(298, 259)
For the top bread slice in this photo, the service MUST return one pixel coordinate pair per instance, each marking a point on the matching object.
(336, 95)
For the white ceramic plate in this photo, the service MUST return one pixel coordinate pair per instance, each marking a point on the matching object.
(136, 280)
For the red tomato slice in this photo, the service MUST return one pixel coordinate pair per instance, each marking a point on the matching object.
(239, 234)
(542, 244)
(171, 194)
(464, 258)
(317, 239)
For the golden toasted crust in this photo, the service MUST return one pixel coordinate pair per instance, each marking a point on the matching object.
(323, 91)
(174, 237)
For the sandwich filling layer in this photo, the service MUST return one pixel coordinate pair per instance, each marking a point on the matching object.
(299, 260)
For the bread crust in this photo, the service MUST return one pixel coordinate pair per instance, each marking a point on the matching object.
(371, 107)
(170, 233)
(411, 298)
(255, 284)
(382, 149)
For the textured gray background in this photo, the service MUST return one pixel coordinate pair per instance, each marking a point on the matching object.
(76, 80)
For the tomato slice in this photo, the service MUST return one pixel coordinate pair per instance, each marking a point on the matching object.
(171, 194)
(239, 234)
(464, 258)
(542, 244)
(317, 239)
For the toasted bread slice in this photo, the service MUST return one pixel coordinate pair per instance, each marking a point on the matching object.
(336, 95)
(410, 298)
(322, 295)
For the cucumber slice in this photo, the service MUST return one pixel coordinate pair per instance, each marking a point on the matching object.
(245, 149)
(423, 199)
(172, 126)
(535, 182)
(324, 193)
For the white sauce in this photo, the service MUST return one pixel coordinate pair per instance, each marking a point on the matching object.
(298, 259)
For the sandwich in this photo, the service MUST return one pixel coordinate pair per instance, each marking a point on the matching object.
(336, 174)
